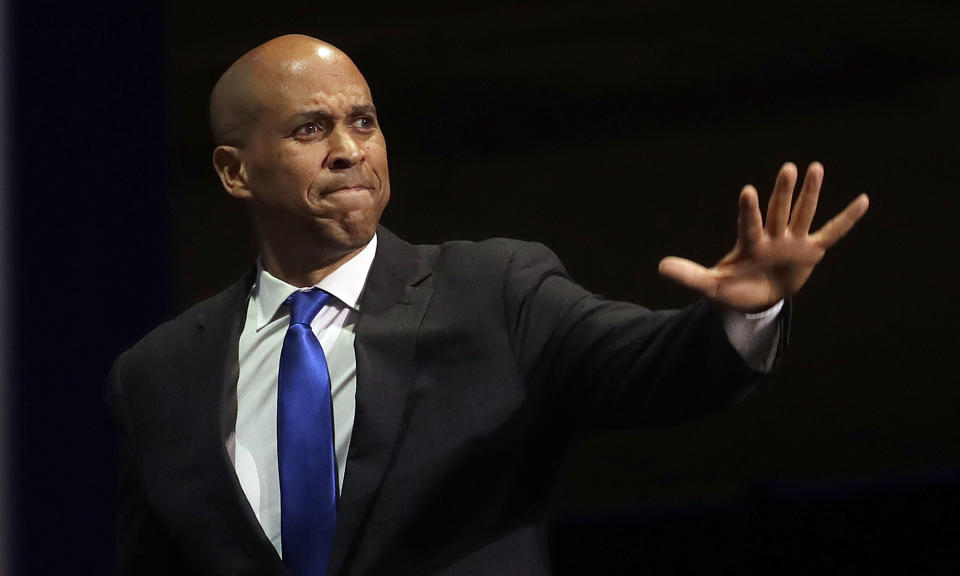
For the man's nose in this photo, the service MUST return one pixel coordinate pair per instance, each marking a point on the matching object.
(345, 152)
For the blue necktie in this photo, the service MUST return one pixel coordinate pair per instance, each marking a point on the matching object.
(305, 453)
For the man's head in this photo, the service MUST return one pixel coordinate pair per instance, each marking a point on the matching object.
(297, 137)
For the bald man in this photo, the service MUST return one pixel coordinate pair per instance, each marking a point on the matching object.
(452, 376)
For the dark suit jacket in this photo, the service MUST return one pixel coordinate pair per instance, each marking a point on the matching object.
(476, 362)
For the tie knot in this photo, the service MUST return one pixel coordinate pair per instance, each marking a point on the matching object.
(305, 305)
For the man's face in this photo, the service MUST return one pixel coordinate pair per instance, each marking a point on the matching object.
(315, 159)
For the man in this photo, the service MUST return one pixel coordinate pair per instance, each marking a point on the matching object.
(456, 373)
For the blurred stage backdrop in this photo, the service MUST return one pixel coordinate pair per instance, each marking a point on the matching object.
(616, 134)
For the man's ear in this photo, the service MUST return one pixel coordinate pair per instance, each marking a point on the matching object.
(230, 169)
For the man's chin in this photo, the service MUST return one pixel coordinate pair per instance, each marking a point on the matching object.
(347, 234)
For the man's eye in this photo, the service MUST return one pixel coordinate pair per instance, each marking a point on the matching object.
(310, 129)
(364, 122)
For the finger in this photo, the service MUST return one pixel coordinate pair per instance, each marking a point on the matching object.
(840, 224)
(690, 274)
(778, 209)
(749, 221)
(806, 205)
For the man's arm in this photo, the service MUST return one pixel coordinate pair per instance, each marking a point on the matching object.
(612, 363)
(601, 364)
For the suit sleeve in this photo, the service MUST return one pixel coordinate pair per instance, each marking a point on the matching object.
(143, 546)
(605, 364)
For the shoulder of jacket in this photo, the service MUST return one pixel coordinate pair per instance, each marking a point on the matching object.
(167, 338)
(489, 249)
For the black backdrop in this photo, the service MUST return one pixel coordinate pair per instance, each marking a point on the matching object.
(615, 135)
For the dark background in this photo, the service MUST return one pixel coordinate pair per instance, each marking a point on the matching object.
(615, 134)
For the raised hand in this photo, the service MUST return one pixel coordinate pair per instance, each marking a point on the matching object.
(771, 262)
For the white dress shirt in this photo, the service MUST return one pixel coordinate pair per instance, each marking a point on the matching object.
(255, 440)
(254, 444)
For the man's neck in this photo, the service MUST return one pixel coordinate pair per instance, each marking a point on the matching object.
(303, 270)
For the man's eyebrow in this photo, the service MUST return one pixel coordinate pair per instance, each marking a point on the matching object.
(362, 109)
(308, 115)
(320, 114)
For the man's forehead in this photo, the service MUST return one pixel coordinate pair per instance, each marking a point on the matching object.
(350, 97)
(317, 82)
(312, 93)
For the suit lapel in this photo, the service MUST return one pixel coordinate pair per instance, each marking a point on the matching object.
(391, 309)
(215, 366)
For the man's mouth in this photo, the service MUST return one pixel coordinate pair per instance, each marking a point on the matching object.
(347, 188)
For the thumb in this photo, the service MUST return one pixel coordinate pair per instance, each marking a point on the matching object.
(689, 274)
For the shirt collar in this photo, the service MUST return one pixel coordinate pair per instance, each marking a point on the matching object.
(345, 284)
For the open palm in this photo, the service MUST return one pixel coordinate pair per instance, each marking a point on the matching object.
(769, 262)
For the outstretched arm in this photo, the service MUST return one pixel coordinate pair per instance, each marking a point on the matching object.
(769, 262)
